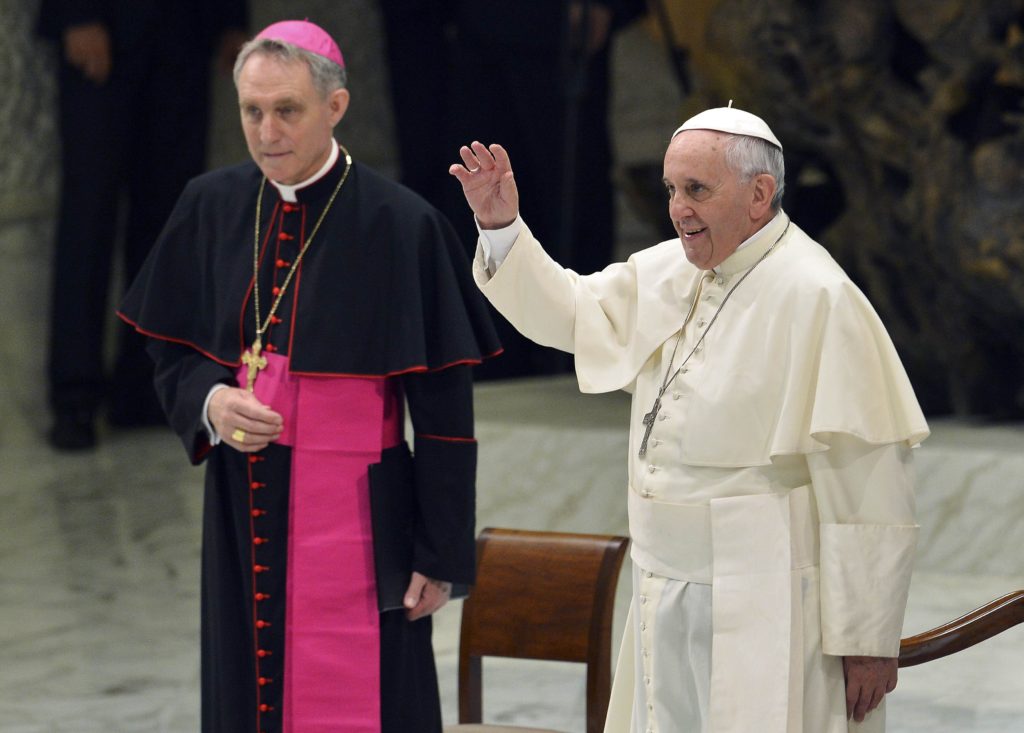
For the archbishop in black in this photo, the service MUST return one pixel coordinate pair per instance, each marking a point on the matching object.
(297, 305)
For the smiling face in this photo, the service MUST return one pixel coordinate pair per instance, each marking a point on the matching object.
(288, 124)
(712, 209)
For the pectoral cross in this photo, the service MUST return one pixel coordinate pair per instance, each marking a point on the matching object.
(649, 422)
(255, 362)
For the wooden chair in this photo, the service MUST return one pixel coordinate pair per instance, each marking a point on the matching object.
(540, 595)
(971, 628)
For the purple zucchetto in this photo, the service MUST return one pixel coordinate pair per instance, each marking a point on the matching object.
(305, 35)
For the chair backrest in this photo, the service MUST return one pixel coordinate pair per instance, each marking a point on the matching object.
(541, 595)
(977, 626)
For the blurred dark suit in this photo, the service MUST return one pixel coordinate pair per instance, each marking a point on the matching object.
(518, 72)
(129, 145)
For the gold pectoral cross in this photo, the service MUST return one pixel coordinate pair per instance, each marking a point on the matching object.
(255, 362)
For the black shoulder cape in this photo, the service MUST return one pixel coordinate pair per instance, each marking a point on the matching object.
(385, 288)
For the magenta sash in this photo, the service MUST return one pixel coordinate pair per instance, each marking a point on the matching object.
(336, 427)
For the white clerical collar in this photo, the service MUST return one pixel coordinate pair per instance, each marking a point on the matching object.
(288, 192)
(772, 227)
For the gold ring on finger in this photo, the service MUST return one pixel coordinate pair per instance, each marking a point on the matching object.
(238, 436)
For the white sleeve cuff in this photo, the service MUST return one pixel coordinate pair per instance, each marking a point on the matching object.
(497, 243)
(865, 580)
(214, 437)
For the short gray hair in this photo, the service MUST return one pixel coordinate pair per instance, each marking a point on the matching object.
(327, 75)
(750, 156)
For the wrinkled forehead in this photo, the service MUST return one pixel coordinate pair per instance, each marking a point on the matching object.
(700, 149)
(266, 73)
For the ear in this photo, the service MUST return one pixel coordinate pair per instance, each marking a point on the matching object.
(761, 198)
(338, 104)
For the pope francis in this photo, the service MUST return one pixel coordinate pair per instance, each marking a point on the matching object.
(770, 493)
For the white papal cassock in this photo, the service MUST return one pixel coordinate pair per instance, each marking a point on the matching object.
(772, 515)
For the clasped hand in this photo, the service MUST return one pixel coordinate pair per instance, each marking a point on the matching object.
(233, 409)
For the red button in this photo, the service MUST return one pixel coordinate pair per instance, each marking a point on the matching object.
(275, 290)
(262, 624)
(290, 208)
(260, 568)
(256, 485)
(256, 459)
(282, 263)
(262, 596)
(271, 348)
(265, 681)
(285, 236)
(261, 653)
(275, 320)
(259, 540)
(258, 512)
(264, 708)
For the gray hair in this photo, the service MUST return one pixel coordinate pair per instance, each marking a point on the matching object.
(750, 156)
(327, 75)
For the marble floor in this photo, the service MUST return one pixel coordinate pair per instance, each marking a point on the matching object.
(99, 567)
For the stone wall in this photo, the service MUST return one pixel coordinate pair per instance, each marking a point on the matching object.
(28, 148)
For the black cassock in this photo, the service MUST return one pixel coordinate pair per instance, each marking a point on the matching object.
(383, 293)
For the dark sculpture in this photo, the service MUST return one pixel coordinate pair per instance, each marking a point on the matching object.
(904, 130)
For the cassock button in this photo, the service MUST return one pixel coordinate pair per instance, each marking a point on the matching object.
(275, 320)
(271, 348)
(262, 596)
(264, 708)
(260, 568)
(256, 459)
(651, 469)
(260, 540)
(275, 290)
(289, 208)
(254, 485)
(258, 512)
(284, 236)
(263, 653)
(264, 681)
(282, 263)
(261, 624)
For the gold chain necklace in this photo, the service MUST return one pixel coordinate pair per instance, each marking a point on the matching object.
(252, 357)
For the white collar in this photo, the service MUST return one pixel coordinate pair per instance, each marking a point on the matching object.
(749, 240)
(288, 192)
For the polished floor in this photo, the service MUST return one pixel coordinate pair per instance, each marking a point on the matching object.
(99, 567)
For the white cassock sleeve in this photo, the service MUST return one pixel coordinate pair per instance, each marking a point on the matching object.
(532, 291)
(866, 507)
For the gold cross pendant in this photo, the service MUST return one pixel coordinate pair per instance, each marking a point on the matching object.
(254, 362)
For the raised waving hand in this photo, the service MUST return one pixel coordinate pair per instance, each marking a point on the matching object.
(488, 184)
